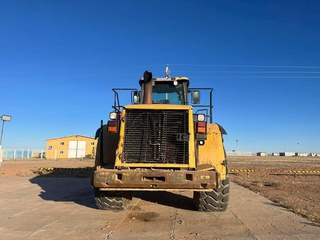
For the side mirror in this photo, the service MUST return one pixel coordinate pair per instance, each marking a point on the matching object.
(195, 97)
(136, 97)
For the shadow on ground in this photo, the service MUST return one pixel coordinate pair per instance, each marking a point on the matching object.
(70, 189)
(169, 199)
(75, 186)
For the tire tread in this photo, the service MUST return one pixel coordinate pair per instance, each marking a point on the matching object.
(214, 201)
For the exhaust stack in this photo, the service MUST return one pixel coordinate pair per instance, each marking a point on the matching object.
(147, 96)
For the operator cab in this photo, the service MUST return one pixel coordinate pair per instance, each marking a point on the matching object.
(166, 91)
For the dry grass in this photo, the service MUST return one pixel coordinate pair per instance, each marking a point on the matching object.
(271, 178)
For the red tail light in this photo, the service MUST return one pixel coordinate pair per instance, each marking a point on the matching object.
(113, 126)
(201, 127)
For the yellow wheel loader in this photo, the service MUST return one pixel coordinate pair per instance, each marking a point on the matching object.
(164, 140)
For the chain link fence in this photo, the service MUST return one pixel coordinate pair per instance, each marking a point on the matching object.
(8, 154)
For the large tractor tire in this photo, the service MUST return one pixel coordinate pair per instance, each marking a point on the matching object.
(214, 201)
(112, 200)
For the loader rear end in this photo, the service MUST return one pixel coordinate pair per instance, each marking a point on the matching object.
(160, 142)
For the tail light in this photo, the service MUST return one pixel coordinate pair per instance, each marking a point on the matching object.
(113, 126)
(201, 127)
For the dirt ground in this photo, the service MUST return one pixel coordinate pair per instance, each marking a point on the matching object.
(292, 182)
(35, 167)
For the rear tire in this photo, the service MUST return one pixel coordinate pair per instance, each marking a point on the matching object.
(112, 200)
(214, 201)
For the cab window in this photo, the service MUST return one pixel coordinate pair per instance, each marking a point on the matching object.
(167, 93)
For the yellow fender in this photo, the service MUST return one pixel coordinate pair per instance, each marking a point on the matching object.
(212, 154)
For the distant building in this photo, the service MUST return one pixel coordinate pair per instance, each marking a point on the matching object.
(239, 153)
(75, 146)
(290, 154)
(261, 154)
(275, 154)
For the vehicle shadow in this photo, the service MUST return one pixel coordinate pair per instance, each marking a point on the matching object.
(64, 185)
(169, 199)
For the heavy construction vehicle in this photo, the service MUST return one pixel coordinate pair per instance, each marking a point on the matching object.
(161, 142)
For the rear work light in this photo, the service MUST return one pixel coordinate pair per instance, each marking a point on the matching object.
(113, 115)
(201, 117)
(113, 126)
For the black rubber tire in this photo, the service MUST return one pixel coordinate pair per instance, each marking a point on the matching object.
(112, 200)
(214, 201)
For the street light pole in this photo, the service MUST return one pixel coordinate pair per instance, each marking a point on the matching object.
(237, 146)
(4, 118)
(1, 133)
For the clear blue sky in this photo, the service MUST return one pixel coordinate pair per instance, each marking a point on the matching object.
(60, 59)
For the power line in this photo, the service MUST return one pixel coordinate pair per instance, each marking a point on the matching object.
(269, 77)
(264, 72)
(244, 66)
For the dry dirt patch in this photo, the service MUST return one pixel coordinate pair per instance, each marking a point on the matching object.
(40, 167)
(292, 182)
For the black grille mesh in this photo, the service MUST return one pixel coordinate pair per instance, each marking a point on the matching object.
(156, 136)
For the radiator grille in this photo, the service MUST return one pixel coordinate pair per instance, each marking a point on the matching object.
(156, 136)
